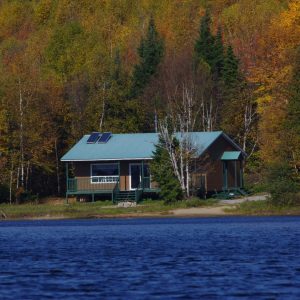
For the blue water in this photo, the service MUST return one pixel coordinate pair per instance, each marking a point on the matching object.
(207, 258)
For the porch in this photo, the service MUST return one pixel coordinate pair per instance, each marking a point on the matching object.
(123, 181)
(233, 182)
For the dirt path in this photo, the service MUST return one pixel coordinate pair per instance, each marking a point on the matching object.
(202, 211)
(245, 199)
(215, 210)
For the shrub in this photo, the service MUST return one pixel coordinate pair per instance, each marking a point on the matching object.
(4, 193)
(283, 185)
(23, 196)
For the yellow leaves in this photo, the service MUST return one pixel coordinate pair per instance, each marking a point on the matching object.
(262, 102)
(43, 11)
(291, 17)
(273, 39)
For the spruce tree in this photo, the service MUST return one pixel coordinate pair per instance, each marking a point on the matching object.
(218, 55)
(150, 52)
(204, 47)
(231, 69)
(233, 95)
(162, 172)
(232, 81)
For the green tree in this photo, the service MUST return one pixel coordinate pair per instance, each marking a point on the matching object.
(210, 48)
(150, 52)
(231, 75)
(218, 57)
(282, 184)
(238, 112)
(231, 91)
(162, 172)
(204, 46)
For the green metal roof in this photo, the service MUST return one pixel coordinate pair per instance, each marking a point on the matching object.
(131, 146)
(231, 155)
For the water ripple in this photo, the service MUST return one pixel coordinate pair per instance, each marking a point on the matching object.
(213, 258)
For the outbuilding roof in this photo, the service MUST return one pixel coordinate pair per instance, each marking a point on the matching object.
(231, 155)
(132, 146)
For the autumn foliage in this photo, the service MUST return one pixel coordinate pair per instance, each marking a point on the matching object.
(70, 67)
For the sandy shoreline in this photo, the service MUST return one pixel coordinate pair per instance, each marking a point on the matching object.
(176, 213)
(222, 209)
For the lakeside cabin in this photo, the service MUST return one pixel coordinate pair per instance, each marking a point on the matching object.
(118, 165)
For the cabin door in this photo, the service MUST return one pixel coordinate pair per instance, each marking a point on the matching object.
(135, 175)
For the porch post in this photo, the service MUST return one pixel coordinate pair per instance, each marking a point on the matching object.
(67, 181)
(119, 172)
(142, 174)
(235, 174)
(241, 174)
(225, 175)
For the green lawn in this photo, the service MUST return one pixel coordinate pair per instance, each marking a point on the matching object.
(263, 208)
(95, 209)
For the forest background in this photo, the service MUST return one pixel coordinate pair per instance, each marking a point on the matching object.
(72, 67)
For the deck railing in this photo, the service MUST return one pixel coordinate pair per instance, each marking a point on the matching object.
(86, 184)
(146, 183)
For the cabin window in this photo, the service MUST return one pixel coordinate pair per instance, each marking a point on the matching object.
(104, 173)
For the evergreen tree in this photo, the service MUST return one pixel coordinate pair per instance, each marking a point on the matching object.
(218, 57)
(150, 51)
(234, 96)
(162, 172)
(231, 76)
(209, 52)
(204, 47)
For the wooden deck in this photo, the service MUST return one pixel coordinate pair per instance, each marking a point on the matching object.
(85, 186)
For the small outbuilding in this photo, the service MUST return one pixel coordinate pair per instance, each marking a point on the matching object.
(118, 164)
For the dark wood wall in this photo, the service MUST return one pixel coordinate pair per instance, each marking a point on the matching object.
(210, 164)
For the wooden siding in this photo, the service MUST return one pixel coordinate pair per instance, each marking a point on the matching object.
(210, 163)
(82, 170)
(85, 184)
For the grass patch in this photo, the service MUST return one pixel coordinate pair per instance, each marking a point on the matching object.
(195, 202)
(95, 209)
(263, 208)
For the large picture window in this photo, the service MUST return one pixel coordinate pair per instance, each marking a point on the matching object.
(104, 173)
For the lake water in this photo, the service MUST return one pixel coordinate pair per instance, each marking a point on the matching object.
(188, 258)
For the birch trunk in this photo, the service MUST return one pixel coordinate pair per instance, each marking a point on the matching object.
(18, 176)
(57, 167)
(11, 182)
(27, 175)
(21, 135)
(187, 174)
(103, 108)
